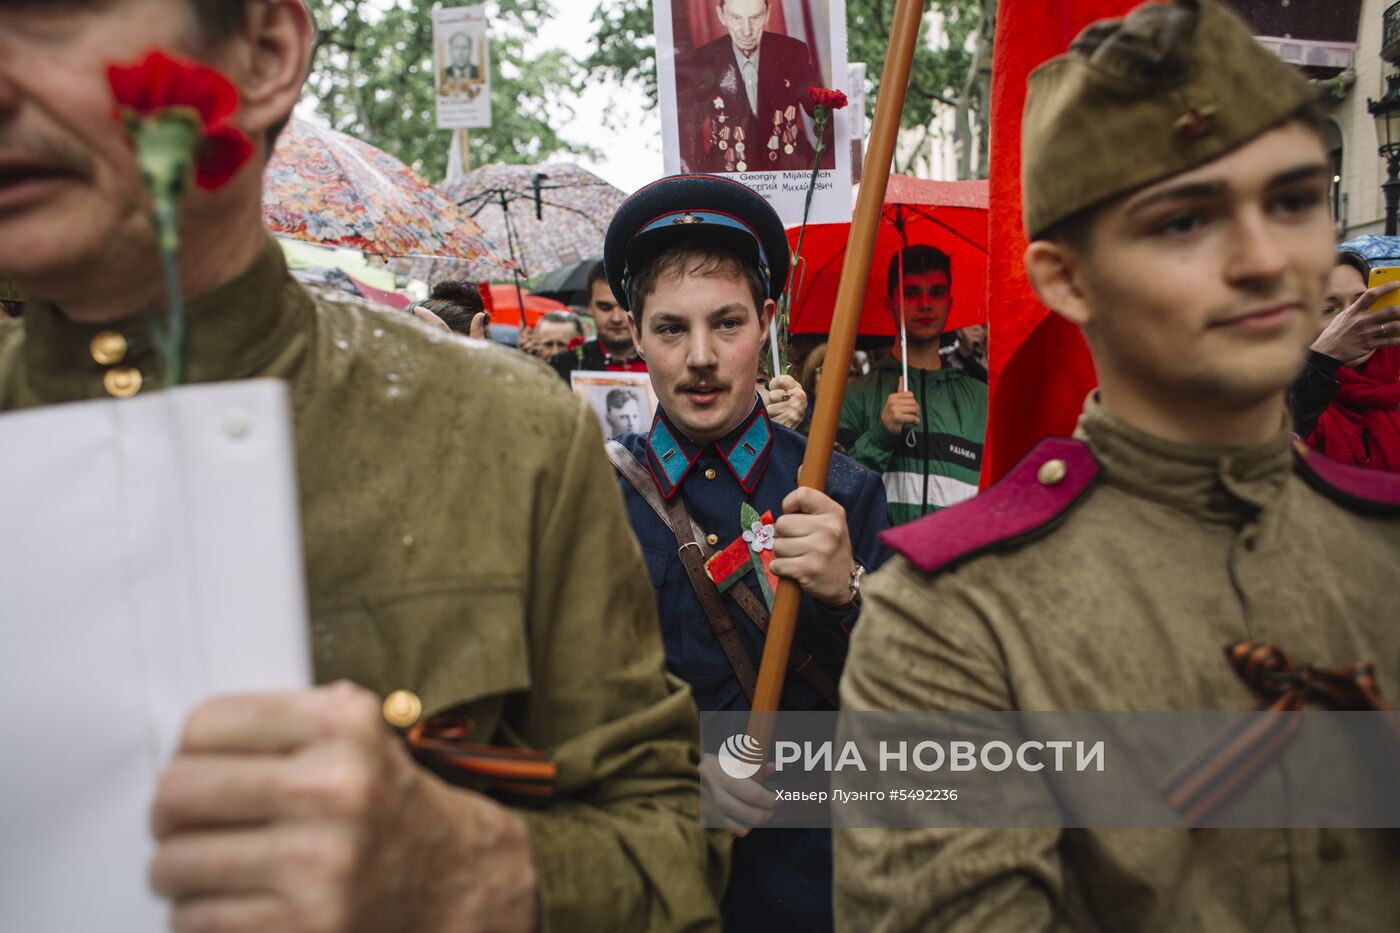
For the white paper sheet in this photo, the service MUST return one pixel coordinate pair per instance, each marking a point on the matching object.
(150, 558)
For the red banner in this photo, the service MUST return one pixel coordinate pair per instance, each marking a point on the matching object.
(1040, 367)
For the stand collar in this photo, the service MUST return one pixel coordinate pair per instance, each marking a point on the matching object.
(744, 450)
(234, 331)
(1226, 484)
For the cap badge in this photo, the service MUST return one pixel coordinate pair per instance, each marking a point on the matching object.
(1196, 122)
(688, 218)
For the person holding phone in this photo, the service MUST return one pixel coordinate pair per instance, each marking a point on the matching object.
(1347, 401)
(1352, 329)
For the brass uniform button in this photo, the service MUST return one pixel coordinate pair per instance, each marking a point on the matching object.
(712, 540)
(402, 708)
(108, 347)
(710, 473)
(122, 382)
(1051, 472)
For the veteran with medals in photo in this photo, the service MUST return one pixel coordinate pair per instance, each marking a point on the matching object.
(742, 97)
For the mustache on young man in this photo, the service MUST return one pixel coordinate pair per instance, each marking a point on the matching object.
(702, 381)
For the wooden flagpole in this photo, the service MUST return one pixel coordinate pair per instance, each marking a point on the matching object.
(850, 295)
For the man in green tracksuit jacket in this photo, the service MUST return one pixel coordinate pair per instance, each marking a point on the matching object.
(925, 438)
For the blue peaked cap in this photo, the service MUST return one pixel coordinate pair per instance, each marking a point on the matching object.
(683, 207)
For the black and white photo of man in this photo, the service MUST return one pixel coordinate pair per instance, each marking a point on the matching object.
(624, 412)
(463, 65)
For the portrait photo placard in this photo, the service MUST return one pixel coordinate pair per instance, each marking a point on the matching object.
(733, 78)
(461, 68)
(624, 402)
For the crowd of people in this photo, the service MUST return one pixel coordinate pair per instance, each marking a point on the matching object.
(1176, 212)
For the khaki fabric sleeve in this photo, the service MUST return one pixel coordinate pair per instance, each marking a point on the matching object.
(923, 645)
(621, 847)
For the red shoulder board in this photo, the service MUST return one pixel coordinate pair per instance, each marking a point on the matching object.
(1052, 477)
(1354, 487)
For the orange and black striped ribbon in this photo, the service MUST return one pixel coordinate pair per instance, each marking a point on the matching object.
(443, 741)
(1200, 787)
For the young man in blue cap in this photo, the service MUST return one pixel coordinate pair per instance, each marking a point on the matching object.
(699, 261)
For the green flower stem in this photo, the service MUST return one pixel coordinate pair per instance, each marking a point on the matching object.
(819, 119)
(171, 338)
(165, 149)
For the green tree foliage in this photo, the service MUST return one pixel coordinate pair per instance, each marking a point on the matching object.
(372, 77)
(952, 64)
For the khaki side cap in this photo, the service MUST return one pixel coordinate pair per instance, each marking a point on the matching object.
(1098, 125)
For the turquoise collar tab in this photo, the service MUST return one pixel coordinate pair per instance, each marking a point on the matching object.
(747, 454)
(745, 451)
(669, 455)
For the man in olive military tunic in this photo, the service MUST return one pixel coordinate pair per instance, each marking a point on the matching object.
(699, 261)
(1175, 186)
(464, 551)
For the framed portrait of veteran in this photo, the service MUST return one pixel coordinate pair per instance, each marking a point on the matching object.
(733, 78)
(461, 67)
(623, 402)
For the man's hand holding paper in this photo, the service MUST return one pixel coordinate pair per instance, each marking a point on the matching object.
(303, 811)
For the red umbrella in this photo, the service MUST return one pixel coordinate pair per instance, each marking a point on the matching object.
(391, 299)
(949, 215)
(506, 306)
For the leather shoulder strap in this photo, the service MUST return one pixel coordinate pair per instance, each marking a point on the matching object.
(641, 481)
(801, 662)
(692, 555)
(1047, 482)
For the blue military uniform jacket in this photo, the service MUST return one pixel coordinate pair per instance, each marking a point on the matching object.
(781, 879)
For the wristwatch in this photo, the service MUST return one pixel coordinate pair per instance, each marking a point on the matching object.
(857, 578)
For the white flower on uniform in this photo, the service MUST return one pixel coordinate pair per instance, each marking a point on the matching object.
(760, 537)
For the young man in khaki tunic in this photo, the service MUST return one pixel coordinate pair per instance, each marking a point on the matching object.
(466, 553)
(1175, 187)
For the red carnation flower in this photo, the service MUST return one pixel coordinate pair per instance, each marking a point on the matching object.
(827, 97)
(161, 86)
(575, 343)
(488, 304)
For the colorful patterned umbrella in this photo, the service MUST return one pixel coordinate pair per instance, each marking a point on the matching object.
(326, 187)
(541, 216)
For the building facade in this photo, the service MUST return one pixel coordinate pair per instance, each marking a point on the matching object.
(1343, 45)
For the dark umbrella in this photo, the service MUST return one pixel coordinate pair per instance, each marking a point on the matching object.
(540, 216)
(568, 284)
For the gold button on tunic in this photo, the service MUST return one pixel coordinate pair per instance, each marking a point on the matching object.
(122, 382)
